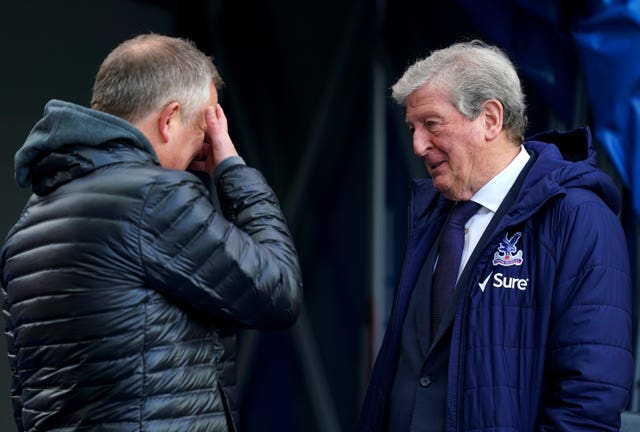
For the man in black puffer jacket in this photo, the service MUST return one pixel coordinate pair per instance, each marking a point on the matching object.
(123, 284)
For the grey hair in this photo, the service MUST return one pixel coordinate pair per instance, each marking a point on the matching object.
(149, 71)
(472, 72)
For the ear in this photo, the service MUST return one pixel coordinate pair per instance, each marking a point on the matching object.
(492, 112)
(168, 116)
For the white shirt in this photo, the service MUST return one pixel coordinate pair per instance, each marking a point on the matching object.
(490, 196)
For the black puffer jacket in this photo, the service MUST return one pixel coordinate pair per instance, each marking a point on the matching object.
(123, 284)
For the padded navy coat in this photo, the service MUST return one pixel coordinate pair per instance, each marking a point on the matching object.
(541, 338)
(123, 284)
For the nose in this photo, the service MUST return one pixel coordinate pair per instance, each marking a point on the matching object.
(421, 143)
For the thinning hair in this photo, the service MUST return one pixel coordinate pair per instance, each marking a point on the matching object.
(147, 72)
(472, 72)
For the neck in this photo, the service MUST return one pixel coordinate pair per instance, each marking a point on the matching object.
(499, 154)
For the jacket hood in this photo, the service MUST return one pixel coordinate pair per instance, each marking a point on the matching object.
(63, 144)
(564, 160)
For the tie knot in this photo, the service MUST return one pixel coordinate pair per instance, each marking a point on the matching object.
(462, 212)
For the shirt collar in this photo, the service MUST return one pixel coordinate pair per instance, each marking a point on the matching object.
(492, 194)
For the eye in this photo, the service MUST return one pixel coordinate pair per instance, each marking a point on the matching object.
(411, 129)
(432, 125)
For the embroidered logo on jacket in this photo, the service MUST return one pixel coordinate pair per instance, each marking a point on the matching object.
(508, 254)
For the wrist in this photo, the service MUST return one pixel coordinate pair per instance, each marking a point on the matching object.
(225, 165)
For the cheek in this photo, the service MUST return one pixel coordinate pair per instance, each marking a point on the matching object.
(197, 137)
(462, 153)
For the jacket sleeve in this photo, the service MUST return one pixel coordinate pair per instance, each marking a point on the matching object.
(589, 366)
(241, 266)
(16, 387)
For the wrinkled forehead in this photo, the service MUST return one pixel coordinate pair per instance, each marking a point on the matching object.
(426, 99)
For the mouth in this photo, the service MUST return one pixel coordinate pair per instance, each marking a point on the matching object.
(435, 165)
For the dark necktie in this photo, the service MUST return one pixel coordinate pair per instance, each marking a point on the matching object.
(449, 256)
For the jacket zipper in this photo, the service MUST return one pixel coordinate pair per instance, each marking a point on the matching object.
(462, 334)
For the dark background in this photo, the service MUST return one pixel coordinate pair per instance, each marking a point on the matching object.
(308, 101)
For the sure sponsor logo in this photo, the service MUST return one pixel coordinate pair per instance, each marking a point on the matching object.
(499, 280)
(483, 284)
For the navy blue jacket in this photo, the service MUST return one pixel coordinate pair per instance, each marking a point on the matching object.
(541, 338)
(124, 285)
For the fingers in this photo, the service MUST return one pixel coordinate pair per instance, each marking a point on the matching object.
(216, 120)
(217, 132)
(220, 113)
(210, 113)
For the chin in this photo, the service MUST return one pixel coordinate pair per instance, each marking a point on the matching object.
(444, 189)
(448, 193)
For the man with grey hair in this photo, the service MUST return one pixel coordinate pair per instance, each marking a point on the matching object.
(123, 284)
(513, 312)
